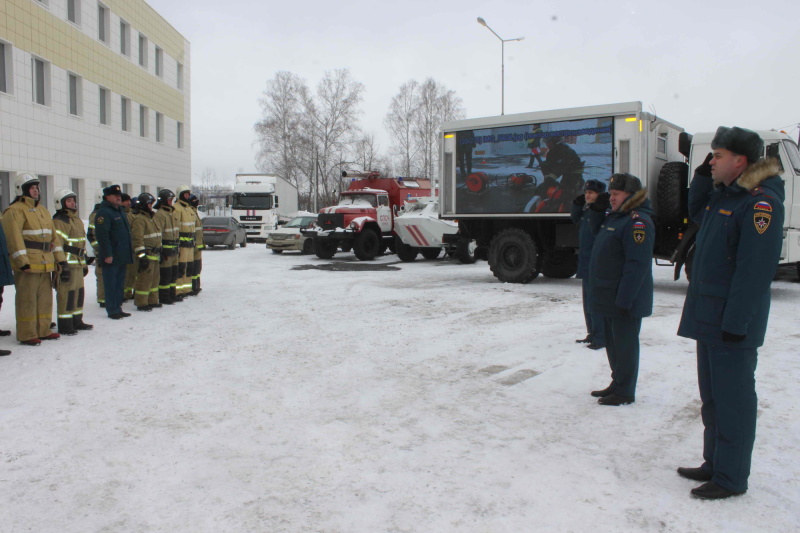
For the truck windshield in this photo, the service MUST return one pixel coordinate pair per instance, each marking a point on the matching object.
(252, 201)
(358, 199)
(794, 157)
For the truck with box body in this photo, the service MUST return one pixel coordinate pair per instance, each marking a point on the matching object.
(260, 202)
(519, 213)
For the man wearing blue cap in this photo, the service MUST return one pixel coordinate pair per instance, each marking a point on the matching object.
(113, 233)
(737, 198)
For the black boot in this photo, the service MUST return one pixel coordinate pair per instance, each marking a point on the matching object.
(712, 491)
(163, 297)
(5, 352)
(695, 474)
(66, 326)
(587, 340)
(615, 400)
(79, 324)
(604, 392)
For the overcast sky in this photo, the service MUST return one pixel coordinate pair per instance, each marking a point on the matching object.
(699, 64)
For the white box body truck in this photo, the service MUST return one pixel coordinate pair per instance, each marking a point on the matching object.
(260, 201)
(510, 182)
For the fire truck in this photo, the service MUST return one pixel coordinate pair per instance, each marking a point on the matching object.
(363, 221)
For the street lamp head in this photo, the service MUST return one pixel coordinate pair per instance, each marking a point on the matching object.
(481, 21)
(519, 38)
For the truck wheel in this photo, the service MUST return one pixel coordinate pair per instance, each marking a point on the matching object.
(324, 248)
(672, 192)
(382, 246)
(560, 264)
(430, 253)
(366, 245)
(465, 252)
(274, 251)
(308, 247)
(514, 256)
(404, 252)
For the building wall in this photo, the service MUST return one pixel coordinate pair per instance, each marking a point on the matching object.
(77, 150)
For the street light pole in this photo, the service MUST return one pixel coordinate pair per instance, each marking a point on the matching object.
(502, 63)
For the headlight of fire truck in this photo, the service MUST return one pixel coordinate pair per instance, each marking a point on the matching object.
(354, 225)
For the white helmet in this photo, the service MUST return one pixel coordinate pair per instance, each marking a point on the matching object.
(182, 189)
(23, 181)
(63, 194)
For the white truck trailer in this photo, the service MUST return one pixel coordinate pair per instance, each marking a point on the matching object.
(510, 181)
(260, 201)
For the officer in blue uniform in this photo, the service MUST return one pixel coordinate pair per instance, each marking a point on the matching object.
(595, 331)
(113, 234)
(737, 198)
(621, 281)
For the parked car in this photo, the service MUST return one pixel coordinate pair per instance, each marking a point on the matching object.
(223, 231)
(288, 236)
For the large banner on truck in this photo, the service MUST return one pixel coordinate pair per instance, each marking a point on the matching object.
(534, 168)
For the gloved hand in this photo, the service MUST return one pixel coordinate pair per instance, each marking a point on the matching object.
(705, 168)
(85, 270)
(732, 337)
(65, 275)
(25, 268)
(143, 263)
(602, 203)
(580, 201)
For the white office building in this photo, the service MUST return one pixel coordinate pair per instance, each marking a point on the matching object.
(92, 93)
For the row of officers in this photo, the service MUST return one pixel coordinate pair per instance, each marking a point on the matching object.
(150, 252)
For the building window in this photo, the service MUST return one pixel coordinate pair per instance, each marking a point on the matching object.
(40, 81)
(75, 186)
(74, 90)
(44, 2)
(142, 51)
(124, 38)
(103, 22)
(144, 188)
(144, 121)
(179, 82)
(5, 64)
(159, 61)
(159, 127)
(44, 187)
(74, 11)
(180, 135)
(105, 101)
(125, 113)
(5, 189)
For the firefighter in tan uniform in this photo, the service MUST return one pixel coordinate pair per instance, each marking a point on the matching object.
(168, 265)
(198, 246)
(147, 251)
(130, 273)
(70, 292)
(184, 217)
(36, 253)
(98, 271)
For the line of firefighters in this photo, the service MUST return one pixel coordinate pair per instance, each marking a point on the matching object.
(164, 240)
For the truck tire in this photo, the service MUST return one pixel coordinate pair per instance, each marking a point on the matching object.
(514, 256)
(308, 247)
(366, 245)
(324, 248)
(672, 192)
(404, 251)
(560, 264)
(430, 253)
(465, 251)
(382, 246)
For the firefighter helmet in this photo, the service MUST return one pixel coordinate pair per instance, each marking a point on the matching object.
(23, 182)
(63, 194)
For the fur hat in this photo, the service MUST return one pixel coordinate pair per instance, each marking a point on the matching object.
(739, 141)
(112, 189)
(594, 185)
(625, 182)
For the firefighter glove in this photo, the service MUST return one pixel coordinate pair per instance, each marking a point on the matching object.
(65, 273)
(25, 267)
(143, 263)
(580, 201)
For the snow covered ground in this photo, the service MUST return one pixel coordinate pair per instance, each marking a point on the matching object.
(296, 394)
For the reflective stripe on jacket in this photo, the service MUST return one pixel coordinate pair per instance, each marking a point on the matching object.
(26, 220)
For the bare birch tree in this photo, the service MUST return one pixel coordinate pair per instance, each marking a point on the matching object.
(400, 123)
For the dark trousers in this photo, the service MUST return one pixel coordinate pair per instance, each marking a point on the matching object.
(728, 390)
(114, 286)
(622, 348)
(595, 325)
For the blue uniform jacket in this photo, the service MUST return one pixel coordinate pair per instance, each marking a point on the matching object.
(736, 254)
(6, 274)
(113, 234)
(621, 265)
(580, 216)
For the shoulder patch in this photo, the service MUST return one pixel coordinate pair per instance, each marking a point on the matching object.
(763, 206)
(99, 220)
(758, 191)
(761, 221)
(639, 233)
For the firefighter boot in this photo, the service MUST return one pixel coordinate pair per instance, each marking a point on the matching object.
(66, 326)
(79, 324)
